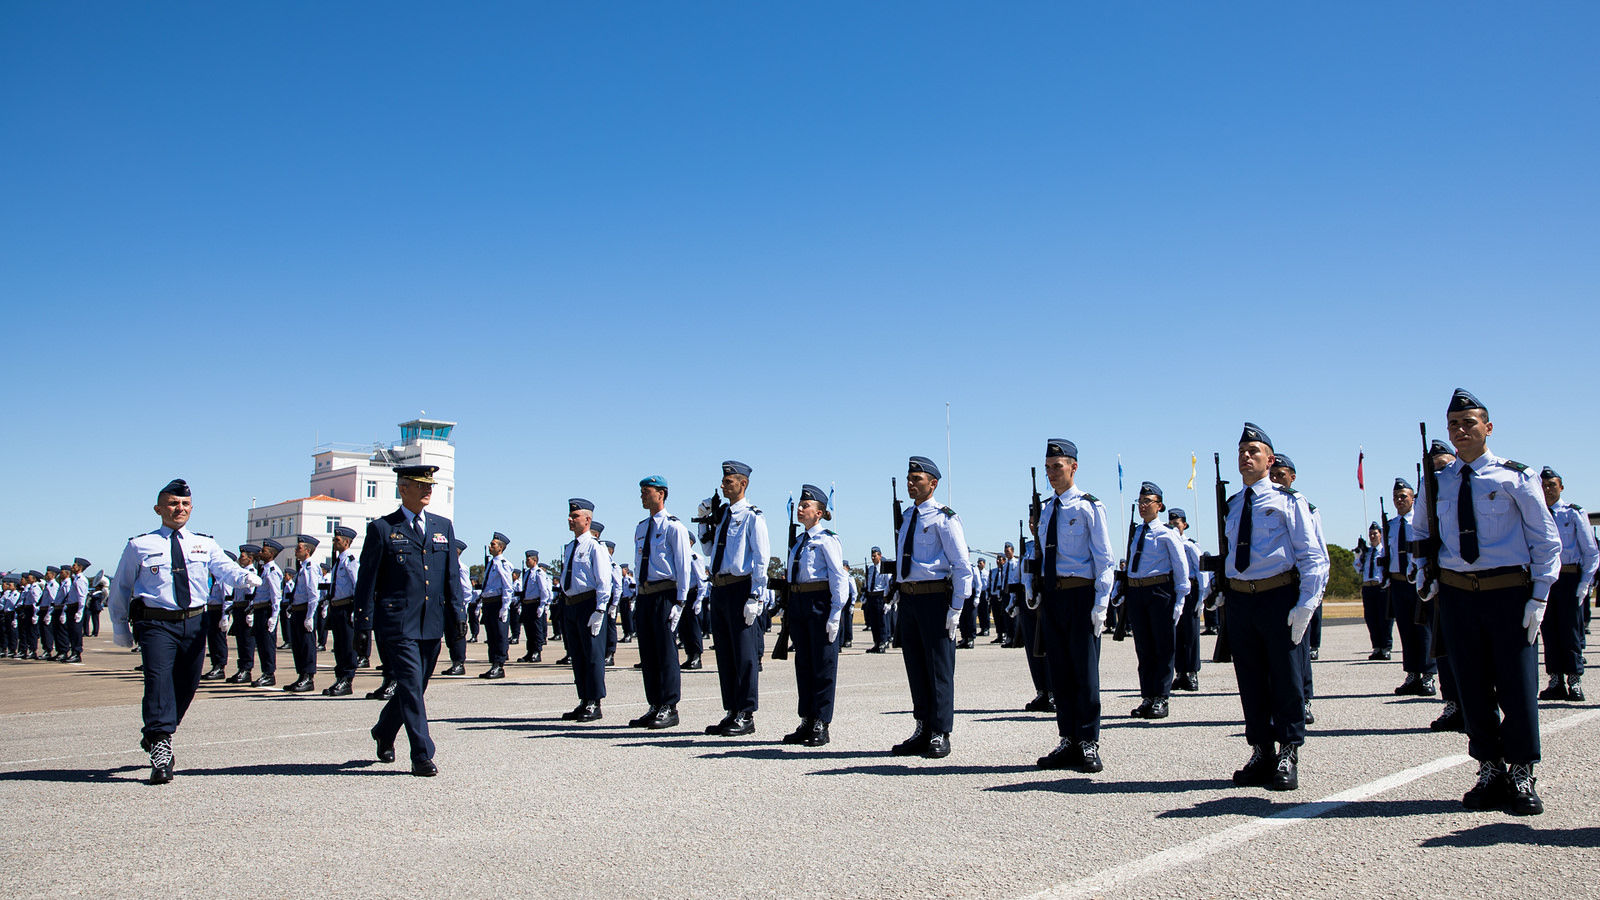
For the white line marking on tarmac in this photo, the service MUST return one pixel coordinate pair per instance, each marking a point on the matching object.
(1183, 854)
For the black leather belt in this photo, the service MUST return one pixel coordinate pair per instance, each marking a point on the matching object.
(807, 587)
(924, 587)
(577, 599)
(725, 580)
(148, 614)
(656, 587)
(1571, 569)
(346, 601)
(1152, 580)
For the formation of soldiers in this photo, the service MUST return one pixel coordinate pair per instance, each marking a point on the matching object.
(50, 611)
(1480, 559)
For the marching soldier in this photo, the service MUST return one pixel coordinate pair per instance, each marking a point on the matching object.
(495, 606)
(738, 548)
(302, 621)
(1499, 554)
(1071, 596)
(1375, 594)
(244, 639)
(1157, 586)
(157, 598)
(268, 601)
(1563, 624)
(407, 577)
(585, 587)
(819, 582)
(933, 580)
(1187, 655)
(1416, 638)
(342, 580)
(662, 553)
(1276, 575)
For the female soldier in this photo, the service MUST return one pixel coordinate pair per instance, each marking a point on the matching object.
(818, 588)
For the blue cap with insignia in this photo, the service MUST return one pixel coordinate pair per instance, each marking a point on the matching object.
(1545, 473)
(231, 555)
(82, 563)
(924, 465)
(501, 538)
(1010, 546)
(177, 487)
(610, 546)
(814, 493)
(345, 531)
(308, 540)
(459, 544)
(530, 554)
(655, 481)
(734, 467)
(419, 474)
(272, 545)
(1462, 399)
(596, 529)
(1149, 488)
(876, 550)
(1440, 448)
(1374, 526)
(1282, 459)
(577, 503)
(49, 569)
(1177, 512)
(1253, 432)
(1400, 484)
(251, 549)
(1060, 447)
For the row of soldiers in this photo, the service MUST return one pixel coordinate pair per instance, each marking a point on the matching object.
(50, 610)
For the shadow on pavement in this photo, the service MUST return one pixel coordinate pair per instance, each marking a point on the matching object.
(929, 769)
(1517, 833)
(1169, 722)
(791, 752)
(1068, 784)
(77, 776)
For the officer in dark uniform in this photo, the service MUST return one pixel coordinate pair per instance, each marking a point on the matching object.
(1499, 554)
(408, 576)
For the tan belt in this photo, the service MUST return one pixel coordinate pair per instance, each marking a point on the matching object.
(808, 587)
(1263, 584)
(1068, 582)
(656, 587)
(1467, 581)
(924, 587)
(1153, 579)
(725, 580)
(577, 599)
(1571, 569)
(344, 602)
(1371, 583)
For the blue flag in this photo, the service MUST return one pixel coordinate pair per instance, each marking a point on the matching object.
(1119, 474)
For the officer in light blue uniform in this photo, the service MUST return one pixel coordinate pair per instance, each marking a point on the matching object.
(1276, 574)
(586, 586)
(158, 598)
(1187, 653)
(409, 574)
(1157, 586)
(344, 570)
(28, 615)
(216, 627)
(663, 551)
(265, 609)
(244, 638)
(74, 603)
(536, 597)
(614, 604)
(738, 548)
(1563, 625)
(1375, 612)
(1284, 475)
(933, 580)
(49, 612)
(1071, 596)
(819, 582)
(495, 606)
(1416, 637)
(302, 619)
(9, 595)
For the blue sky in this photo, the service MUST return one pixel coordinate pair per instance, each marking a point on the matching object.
(622, 239)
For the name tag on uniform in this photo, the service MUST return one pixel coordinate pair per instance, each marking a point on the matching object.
(438, 539)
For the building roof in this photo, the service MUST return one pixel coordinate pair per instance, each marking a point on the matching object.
(312, 497)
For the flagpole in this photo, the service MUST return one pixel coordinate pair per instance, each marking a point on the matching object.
(1194, 488)
(1121, 525)
(949, 490)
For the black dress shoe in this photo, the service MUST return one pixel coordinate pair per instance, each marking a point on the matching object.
(563, 660)
(1142, 711)
(1575, 691)
(243, 676)
(265, 681)
(457, 669)
(717, 728)
(1259, 770)
(693, 663)
(385, 749)
(1449, 720)
(911, 746)
(161, 760)
(967, 644)
(938, 746)
(818, 735)
(300, 686)
(363, 662)
(1090, 751)
(78, 657)
(589, 712)
(1386, 655)
(385, 691)
(526, 657)
(573, 714)
(214, 675)
(644, 720)
(341, 688)
(666, 717)
(1065, 756)
(611, 661)
(742, 724)
(799, 735)
(1492, 791)
(1555, 690)
(1311, 718)
(493, 673)
(1039, 703)
(1425, 686)
(424, 768)
(1316, 652)
(1286, 773)
(1158, 708)
(1523, 800)
(1407, 687)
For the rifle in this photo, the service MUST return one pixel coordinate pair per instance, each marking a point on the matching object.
(1120, 577)
(899, 519)
(713, 516)
(1426, 551)
(1223, 651)
(1034, 568)
(780, 650)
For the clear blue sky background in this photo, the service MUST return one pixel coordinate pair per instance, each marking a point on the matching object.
(620, 239)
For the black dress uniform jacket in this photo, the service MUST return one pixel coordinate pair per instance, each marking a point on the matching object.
(406, 579)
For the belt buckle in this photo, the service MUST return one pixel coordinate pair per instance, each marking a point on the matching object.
(1472, 583)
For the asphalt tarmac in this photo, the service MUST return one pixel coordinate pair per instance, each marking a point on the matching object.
(280, 796)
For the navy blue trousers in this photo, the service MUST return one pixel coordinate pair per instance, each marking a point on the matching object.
(216, 636)
(663, 680)
(1270, 669)
(172, 654)
(266, 640)
(27, 631)
(1563, 628)
(1416, 641)
(74, 628)
(302, 643)
(930, 658)
(496, 637)
(47, 629)
(244, 638)
(534, 626)
(1155, 636)
(1038, 660)
(1186, 652)
(587, 651)
(457, 645)
(872, 609)
(342, 625)
(691, 632)
(816, 659)
(410, 665)
(1496, 671)
(1073, 645)
(738, 647)
(1375, 612)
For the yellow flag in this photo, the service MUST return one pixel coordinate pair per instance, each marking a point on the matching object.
(1193, 460)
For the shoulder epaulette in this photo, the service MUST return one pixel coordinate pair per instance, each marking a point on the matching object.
(756, 510)
(1311, 506)
(198, 534)
(1575, 507)
(1234, 495)
(1091, 498)
(947, 511)
(829, 532)
(672, 518)
(1286, 489)
(1513, 464)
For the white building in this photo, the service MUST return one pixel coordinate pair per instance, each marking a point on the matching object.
(352, 485)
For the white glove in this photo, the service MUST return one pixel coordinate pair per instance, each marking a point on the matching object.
(752, 608)
(272, 621)
(697, 605)
(251, 581)
(833, 628)
(1299, 621)
(952, 621)
(596, 619)
(673, 616)
(1177, 612)
(1097, 621)
(505, 611)
(1426, 590)
(1532, 615)
(311, 624)
(704, 509)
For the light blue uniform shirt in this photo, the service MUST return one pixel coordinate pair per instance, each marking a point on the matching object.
(1162, 553)
(746, 549)
(1083, 541)
(821, 558)
(1515, 528)
(145, 573)
(670, 549)
(1577, 542)
(270, 594)
(1282, 537)
(345, 569)
(938, 550)
(497, 580)
(589, 564)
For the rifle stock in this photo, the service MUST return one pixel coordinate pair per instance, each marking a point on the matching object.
(1120, 577)
(780, 649)
(1223, 651)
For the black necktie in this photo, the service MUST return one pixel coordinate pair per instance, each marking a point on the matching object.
(722, 541)
(644, 558)
(566, 572)
(180, 574)
(794, 564)
(1138, 548)
(1241, 546)
(1467, 518)
(905, 551)
(1405, 545)
(1049, 535)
